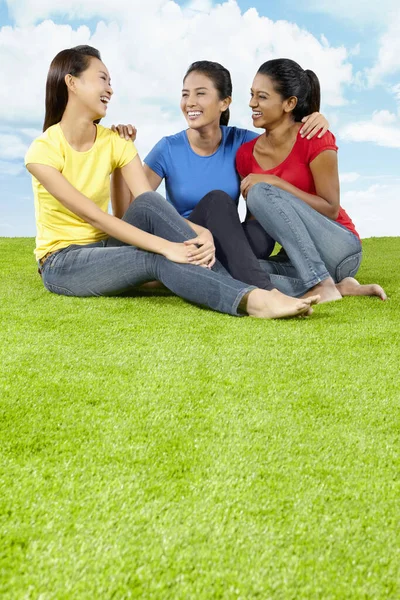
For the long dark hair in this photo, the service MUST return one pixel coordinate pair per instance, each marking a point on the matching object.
(72, 61)
(221, 79)
(290, 79)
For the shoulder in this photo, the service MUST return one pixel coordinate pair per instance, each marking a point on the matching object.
(312, 148)
(105, 135)
(237, 135)
(48, 145)
(246, 149)
(244, 157)
(176, 140)
(51, 137)
(108, 138)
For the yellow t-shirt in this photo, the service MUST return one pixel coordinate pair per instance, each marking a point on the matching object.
(89, 172)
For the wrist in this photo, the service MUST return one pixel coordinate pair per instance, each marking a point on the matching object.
(163, 247)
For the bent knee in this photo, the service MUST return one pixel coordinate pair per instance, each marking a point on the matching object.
(148, 198)
(218, 199)
(259, 193)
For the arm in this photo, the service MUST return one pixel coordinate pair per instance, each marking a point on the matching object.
(121, 196)
(56, 184)
(153, 178)
(324, 169)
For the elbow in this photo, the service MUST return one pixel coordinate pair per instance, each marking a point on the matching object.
(334, 212)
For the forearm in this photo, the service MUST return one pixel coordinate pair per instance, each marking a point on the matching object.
(319, 204)
(196, 228)
(86, 209)
(115, 227)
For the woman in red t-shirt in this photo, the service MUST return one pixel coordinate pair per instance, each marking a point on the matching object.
(292, 189)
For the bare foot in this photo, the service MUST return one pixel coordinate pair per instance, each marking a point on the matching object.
(350, 287)
(273, 304)
(326, 289)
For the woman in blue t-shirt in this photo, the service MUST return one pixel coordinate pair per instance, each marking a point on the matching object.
(198, 166)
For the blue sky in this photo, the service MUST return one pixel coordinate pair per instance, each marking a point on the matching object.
(147, 47)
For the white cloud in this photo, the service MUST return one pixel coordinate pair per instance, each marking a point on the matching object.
(388, 61)
(349, 177)
(148, 57)
(359, 12)
(382, 129)
(375, 210)
(12, 169)
(11, 146)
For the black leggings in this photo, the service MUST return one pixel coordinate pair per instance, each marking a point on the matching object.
(238, 246)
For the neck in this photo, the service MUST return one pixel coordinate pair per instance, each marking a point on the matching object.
(77, 127)
(281, 133)
(206, 138)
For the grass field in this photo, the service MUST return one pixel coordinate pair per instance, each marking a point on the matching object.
(154, 449)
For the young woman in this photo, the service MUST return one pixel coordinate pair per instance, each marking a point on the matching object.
(198, 165)
(84, 251)
(292, 189)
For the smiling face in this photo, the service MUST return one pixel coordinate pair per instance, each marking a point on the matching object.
(268, 107)
(200, 102)
(92, 88)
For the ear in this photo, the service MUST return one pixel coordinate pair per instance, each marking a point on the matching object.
(225, 103)
(290, 104)
(70, 82)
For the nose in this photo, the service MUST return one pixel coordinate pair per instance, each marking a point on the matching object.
(190, 100)
(252, 103)
(109, 89)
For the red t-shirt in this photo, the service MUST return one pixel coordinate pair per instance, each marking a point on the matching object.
(295, 169)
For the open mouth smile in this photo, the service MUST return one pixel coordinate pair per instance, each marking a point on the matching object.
(194, 114)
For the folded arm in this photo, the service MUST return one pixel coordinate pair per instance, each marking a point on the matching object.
(324, 169)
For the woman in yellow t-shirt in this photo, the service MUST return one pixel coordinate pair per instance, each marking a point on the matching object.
(84, 251)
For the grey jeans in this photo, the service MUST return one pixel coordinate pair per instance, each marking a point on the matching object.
(315, 247)
(111, 267)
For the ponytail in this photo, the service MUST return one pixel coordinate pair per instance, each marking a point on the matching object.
(224, 119)
(314, 99)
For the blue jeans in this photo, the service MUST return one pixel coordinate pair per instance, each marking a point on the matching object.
(315, 247)
(111, 267)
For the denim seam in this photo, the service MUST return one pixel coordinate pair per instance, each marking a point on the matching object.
(150, 206)
(316, 277)
(51, 287)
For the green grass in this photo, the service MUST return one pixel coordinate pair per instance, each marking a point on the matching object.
(154, 449)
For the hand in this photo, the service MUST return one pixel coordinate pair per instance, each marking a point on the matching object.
(312, 124)
(125, 131)
(252, 179)
(203, 253)
(178, 252)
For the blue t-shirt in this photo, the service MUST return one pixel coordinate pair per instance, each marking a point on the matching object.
(189, 176)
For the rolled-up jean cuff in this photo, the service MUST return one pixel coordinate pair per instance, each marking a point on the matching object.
(239, 298)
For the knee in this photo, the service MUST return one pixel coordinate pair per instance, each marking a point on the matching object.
(258, 195)
(146, 199)
(218, 200)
